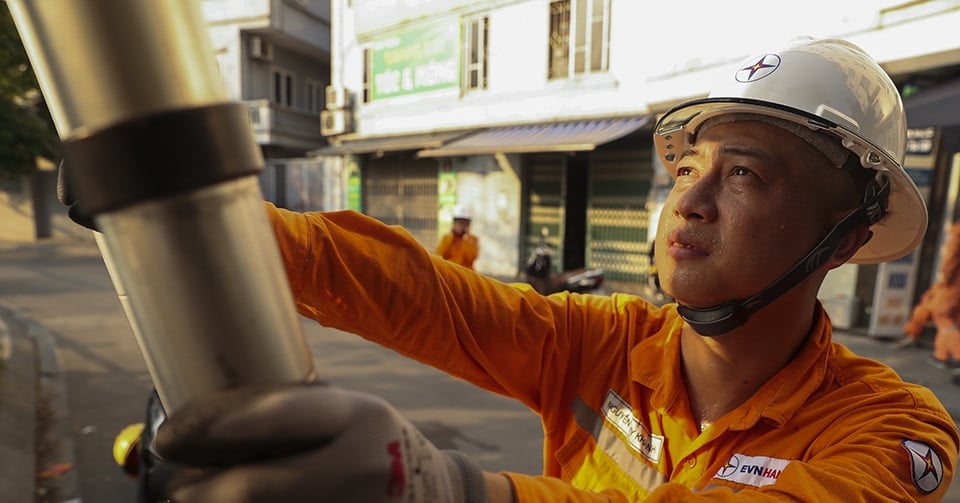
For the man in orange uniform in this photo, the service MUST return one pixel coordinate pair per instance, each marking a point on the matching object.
(791, 167)
(459, 246)
(941, 305)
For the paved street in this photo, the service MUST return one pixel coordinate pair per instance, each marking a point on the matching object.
(63, 285)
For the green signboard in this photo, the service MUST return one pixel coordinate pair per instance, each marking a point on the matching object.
(353, 185)
(419, 59)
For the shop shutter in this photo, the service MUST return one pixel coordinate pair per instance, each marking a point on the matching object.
(544, 200)
(617, 218)
(401, 190)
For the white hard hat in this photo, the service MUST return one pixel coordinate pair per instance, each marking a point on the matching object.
(460, 212)
(828, 85)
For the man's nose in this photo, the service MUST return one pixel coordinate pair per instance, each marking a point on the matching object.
(697, 200)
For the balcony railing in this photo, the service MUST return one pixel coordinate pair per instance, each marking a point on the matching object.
(282, 126)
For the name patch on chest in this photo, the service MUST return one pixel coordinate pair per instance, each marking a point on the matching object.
(619, 413)
(757, 471)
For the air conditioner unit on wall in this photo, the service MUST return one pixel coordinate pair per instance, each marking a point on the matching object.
(337, 98)
(334, 122)
(260, 48)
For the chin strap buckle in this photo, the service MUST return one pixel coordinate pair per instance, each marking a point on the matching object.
(875, 198)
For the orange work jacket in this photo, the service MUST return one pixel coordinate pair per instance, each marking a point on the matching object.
(603, 373)
(461, 250)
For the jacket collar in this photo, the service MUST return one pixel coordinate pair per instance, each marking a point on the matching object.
(776, 401)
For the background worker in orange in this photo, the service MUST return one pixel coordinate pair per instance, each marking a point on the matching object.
(941, 305)
(791, 167)
(458, 245)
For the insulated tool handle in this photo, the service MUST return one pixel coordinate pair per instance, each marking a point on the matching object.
(167, 166)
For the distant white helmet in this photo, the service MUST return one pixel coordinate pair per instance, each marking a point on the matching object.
(827, 85)
(460, 212)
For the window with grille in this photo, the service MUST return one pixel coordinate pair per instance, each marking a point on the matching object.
(579, 37)
(475, 53)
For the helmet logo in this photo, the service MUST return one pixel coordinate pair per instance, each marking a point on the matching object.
(767, 64)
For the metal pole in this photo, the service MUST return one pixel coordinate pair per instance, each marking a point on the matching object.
(167, 165)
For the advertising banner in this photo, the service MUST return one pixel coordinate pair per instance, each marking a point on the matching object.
(419, 59)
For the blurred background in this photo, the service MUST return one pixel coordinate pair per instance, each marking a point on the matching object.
(532, 114)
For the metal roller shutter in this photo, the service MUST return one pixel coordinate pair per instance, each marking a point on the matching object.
(402, 190)
(545, 201)
(617, 219)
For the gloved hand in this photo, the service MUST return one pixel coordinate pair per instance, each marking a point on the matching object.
(68, 199)
(310, 443)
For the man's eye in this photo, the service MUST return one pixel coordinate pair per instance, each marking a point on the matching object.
(741, 171)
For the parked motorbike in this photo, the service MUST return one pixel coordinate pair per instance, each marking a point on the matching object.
(541, 276)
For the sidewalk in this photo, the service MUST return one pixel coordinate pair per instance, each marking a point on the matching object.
(33, 408)
(36, 449)
(33, 416)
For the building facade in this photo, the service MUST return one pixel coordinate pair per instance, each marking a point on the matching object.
(274, 55)
(531, 125)
(537, 114)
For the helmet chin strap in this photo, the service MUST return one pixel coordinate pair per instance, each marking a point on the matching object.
(722, 318)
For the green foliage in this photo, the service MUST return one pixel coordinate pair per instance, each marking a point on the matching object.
(26, 129)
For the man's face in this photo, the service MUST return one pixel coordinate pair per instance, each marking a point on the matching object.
(749, 200)
(460, 227)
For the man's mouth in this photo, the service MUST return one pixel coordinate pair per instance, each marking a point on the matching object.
(684, 240)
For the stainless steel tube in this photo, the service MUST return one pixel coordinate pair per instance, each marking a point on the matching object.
(101, 62)
(206, 296)
(166, 165)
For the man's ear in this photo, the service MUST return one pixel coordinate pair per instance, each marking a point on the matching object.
(849, 246)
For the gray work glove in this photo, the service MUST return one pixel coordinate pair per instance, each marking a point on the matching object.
(310, 443)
